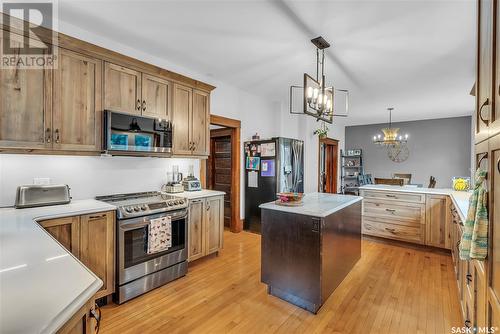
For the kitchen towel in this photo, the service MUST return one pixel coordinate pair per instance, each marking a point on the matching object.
(159, 234)
(474, 242)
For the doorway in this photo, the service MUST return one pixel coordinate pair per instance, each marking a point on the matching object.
(221, 171)
(328, 165)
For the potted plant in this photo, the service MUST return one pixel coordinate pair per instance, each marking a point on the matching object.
(322, 131)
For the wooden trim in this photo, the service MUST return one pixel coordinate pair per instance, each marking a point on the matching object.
(236, 225)
(329, 141)
(224, 121)
(90, 49)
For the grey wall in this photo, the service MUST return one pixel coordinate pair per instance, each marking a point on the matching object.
(438, 147)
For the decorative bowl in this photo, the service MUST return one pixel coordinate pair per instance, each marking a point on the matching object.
(290, 197)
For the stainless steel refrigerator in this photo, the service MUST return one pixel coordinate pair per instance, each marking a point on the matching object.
(271, 166)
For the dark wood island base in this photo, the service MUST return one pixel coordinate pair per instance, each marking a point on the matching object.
(306, 256)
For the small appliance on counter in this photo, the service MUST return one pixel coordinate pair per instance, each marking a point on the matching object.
(174, 182)
(42, 195)
(191, 183)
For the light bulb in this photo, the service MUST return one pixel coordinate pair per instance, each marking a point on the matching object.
(309, 92)
(315, 93)
(406, 136)
(328, 104)
(379, 136)
(400, 137)
(374, 138)
(320, 99)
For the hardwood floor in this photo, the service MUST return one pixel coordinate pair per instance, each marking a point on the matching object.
(391, 290)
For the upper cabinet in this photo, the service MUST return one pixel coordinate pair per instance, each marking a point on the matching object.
(191, 121)
(77, 112)
(484, 101)
(25, 105)
(130, 91)
(495, 112)
(122, 89)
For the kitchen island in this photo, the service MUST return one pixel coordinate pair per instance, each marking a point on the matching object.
(308, 250)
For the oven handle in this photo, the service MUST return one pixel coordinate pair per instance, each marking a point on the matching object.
(125, 226)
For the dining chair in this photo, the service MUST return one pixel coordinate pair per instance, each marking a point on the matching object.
(405, 177)
(394, 182)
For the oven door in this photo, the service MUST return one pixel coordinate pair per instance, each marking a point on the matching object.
(134, 261)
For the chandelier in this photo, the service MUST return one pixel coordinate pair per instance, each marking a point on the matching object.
(391, 136)
(317, 97)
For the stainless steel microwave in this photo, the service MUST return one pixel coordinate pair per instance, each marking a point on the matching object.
(136, 134)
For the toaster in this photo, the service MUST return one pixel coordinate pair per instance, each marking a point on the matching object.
(35, 195)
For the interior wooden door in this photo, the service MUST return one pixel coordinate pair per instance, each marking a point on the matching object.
(484, 69)
(220, 167)
(77, 115)
(66, 231)
(122, 89)
(97, 248)
(493, 271)
(155, 93)
(25, 94)
(196, 229)
(181, 118)
(214, 227)
(199, 124)
(328, 161)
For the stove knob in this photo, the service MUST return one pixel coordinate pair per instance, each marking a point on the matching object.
(181, 201)
(170, 203)
(177, 202)
(128, 209)
(144, 208)
(136, 208)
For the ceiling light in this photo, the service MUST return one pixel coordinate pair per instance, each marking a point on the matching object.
(391, 136)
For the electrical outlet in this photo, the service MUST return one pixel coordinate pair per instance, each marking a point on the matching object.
(41, 181)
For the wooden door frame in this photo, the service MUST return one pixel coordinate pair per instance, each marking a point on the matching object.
(236, 224)
(328, 141)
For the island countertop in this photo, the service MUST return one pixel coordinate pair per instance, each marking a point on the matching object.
(42, 285)
(316, 204)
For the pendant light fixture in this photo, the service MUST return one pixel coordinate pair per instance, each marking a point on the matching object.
(317, 97)
(391, 136)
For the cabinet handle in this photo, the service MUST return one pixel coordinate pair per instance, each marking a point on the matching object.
(57, 136)
(391, 196)
(97, 217)
(480, 113)
(48, 135)
(138, 104)
(208, 207)
(498, 165)
(390, 210)
(467, 323)
(469, 278)
(390, 230)
(484, 156)
(143, 105)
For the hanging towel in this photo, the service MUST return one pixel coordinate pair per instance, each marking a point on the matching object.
(159, 234)
(474, 242)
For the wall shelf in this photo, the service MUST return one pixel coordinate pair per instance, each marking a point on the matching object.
(350, 182)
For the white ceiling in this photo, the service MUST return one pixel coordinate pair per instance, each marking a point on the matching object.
(418, 56)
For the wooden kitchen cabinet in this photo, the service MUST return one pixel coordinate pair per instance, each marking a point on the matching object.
(494, 122)
(81, 322)
(200, 133)
(25, 104)
(196, 229)
(155, 96)
(206, 226)
(77, 112)
(65, 230)
(484, 73)
(91, 238)
(479, 288)
(97, 248)
(122, 89)
(437, 221)
(181, 119)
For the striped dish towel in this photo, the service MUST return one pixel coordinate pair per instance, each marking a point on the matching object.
(474, 242)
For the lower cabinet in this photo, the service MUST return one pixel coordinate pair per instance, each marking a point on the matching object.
(91, 238)
(81, 322)
(437, 219)
(205, 226)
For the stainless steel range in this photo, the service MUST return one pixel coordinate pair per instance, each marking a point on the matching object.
(138, 271)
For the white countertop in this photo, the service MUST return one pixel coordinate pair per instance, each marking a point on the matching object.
(198, 194)
(41, 284)
(460, 198)
(316, 204)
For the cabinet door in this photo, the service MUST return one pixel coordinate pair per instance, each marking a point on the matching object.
(484, 69)
(200, 120)
(25, 104)
(77, 102)
(437, 221)
(122, 89)
(479, 279)
(97, 248)
(494, 232)
(155, 92)
(181, 118)
(495, 112)
(196, 229)
(66, 231)
(215, 224)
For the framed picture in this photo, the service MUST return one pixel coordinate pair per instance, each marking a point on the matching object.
(253, 163)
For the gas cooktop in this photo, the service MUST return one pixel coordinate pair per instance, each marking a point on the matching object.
(144, 203)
